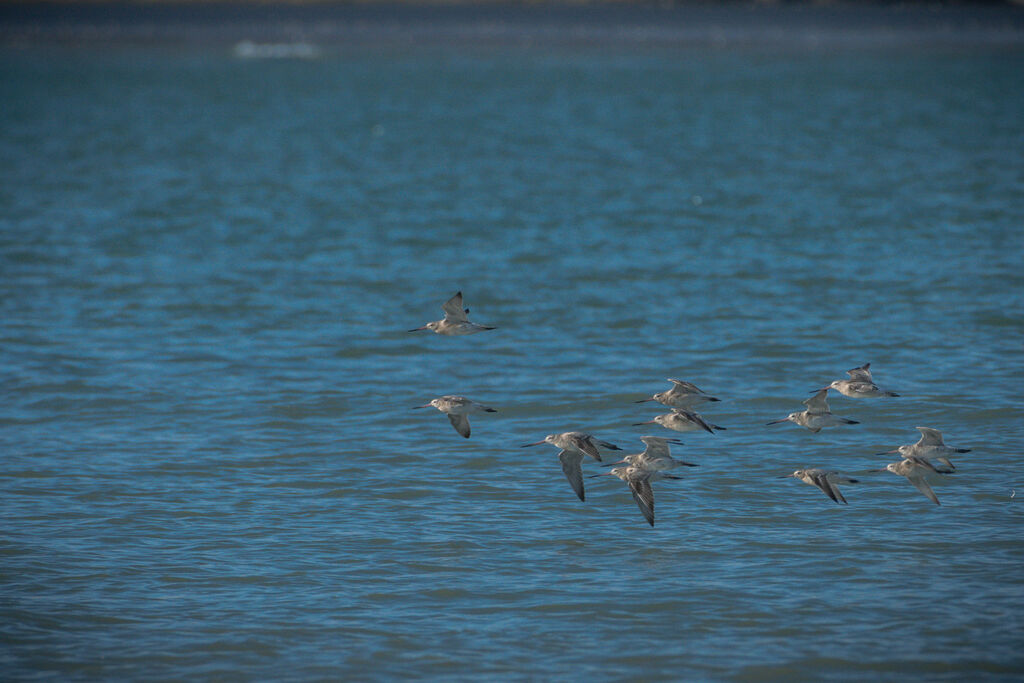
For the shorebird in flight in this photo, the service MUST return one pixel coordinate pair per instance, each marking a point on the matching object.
(455, 320)
(657, 457)
(826, 480)
(639, 481)
(574, 446)
(681, 421)
(682, 395)
(860, 384)
(915, 469)
(817, 416)
(458, 408)
(930, 445)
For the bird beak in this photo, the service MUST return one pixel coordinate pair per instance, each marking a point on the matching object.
(595, 476)
(775, 422)
(895, 450)
(644, 400)
(879, 470)
(649, 422)
(426, 406)
(785, 476)
(613, 464)
(417, 329)
(535, 443)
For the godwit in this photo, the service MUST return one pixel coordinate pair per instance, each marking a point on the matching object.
(930, 445)
(682, 395)
(639, 481)
(860, 384)
(915, 469)
(681, 421)
(575, 445)
(458, 408)
(454, 321)
(817, 416)
(657, 457)
(826, 480)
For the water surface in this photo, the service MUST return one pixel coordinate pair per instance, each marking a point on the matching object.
(208, 266)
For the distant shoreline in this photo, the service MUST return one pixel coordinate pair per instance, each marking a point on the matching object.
(500, 23)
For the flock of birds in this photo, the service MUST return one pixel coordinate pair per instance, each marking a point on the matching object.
(639, 470)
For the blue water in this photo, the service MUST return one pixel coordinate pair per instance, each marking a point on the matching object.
(209, 467)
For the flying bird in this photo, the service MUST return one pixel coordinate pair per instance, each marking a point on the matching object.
(860, 384)
(930, 445)
(682, 421)
(826, 480)
(682, 395)
(574, 447)
(455, 320)
(817, 416)
(458, 408)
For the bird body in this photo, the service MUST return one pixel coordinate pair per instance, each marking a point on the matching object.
(930, 445)
(574, 447)
(455, 321)
(683, 395)
(458, 409)
(656, 457)
(639, 482)
(860, 384)
(682, 421)
(826, 480)
(817, 416)
(915, 469)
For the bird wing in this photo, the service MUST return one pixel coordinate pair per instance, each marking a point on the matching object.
(929, 437)
(687, 387)
(695, 419)
(917, 479)
(820, 479)
(920, 462)
(453, 310)
(657, 447)
(461, 424)
(571, 465)
(643, 494)
(818, 404)
(585, 443)
(863, 373)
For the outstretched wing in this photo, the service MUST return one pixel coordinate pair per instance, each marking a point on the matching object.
(657, 447)
(929, 437)
(571, 465)
(453, 310)
(818, 404)
(861, 374)
(820, 479)
(585, 443)
(461, 424)
(917, 479)
(695, 419)
(643, 494)
(687, 387)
